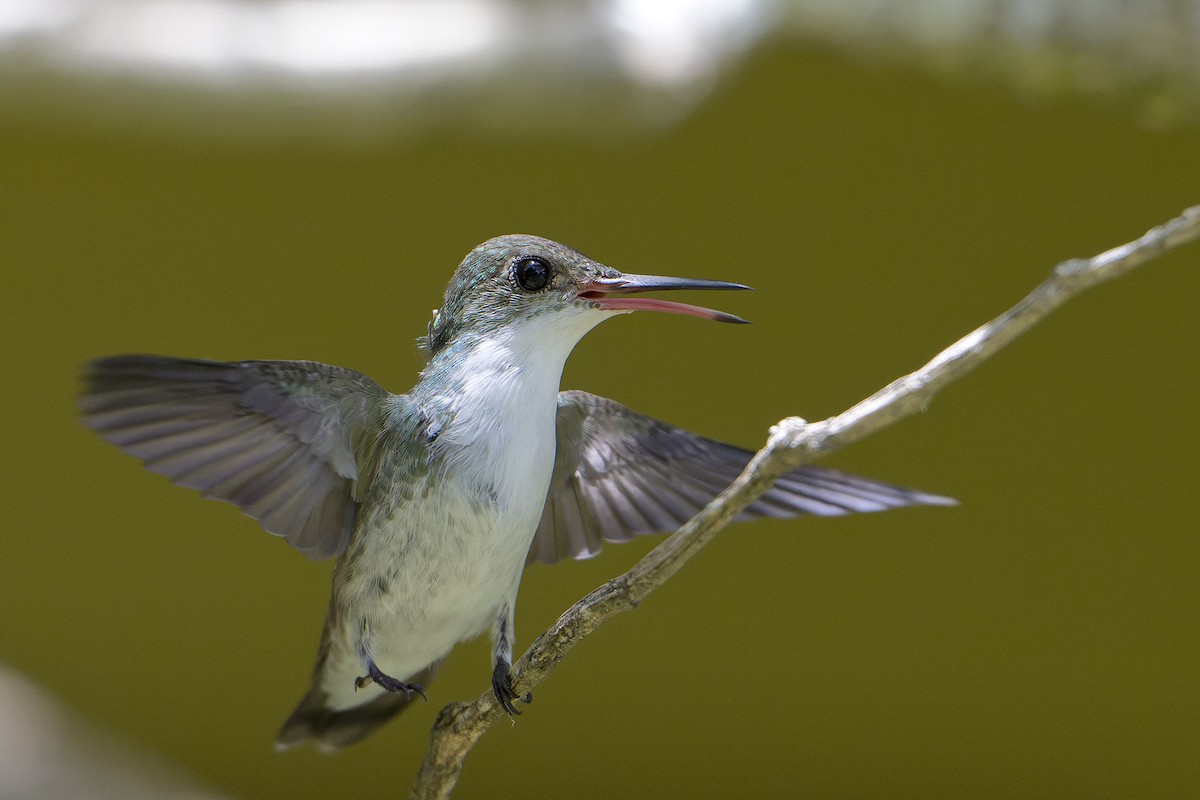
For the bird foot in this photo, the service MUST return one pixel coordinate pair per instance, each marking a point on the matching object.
(502, 686)
(386, 682)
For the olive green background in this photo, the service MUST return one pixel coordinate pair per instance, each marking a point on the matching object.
(1040, 640)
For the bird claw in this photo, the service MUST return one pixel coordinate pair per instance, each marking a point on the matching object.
(502, 686)
(389, 684)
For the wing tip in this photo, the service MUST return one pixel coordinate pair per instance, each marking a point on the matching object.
(926, 499)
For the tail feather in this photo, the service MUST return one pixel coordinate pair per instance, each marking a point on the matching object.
(332, 729)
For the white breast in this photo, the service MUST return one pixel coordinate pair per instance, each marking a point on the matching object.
(465, 539)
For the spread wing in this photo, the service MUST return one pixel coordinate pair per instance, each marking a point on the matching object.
(618, 474)
(275, 438)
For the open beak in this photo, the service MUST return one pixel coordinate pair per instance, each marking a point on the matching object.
(601, 291)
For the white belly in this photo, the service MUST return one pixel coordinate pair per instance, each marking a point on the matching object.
(444, 564)
(441, 570)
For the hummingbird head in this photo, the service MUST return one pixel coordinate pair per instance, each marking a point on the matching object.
(518, 278)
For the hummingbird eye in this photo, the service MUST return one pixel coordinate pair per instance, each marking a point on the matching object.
(532, 273)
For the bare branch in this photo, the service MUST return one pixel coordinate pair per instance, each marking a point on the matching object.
(792, 442)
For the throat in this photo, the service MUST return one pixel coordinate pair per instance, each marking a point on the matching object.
(496, 399)
(495, 384)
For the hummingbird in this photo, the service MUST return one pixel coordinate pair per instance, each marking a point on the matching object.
(433, 502)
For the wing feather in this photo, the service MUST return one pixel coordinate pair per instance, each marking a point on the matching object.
(619, 474)
(279, 439)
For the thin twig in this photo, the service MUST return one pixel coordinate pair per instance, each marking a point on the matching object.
(792, 442)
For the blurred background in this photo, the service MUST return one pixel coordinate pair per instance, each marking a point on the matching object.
(297, 179)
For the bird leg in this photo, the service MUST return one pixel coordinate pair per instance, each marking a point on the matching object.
(504, 634)
(502, 686)
(387, 682)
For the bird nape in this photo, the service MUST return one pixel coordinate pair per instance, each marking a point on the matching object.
(433, 501)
